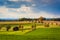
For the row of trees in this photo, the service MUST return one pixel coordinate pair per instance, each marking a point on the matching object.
(31, 19)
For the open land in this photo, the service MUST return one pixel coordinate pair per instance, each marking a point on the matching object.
(41, 33)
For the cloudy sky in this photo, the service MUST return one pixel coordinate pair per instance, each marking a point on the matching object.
(14, 9)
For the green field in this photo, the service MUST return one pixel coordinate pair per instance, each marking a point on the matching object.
(44, 33)
(39, 34)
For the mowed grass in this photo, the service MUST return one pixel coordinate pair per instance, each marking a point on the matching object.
(39, 34)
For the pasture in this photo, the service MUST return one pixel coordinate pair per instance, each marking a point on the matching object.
(40, 33)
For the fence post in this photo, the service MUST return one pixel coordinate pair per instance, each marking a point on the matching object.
(33, 27)
(22, 28)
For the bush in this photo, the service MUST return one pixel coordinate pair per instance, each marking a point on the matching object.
(15, 28)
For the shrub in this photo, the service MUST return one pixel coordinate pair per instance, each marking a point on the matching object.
(15, 28)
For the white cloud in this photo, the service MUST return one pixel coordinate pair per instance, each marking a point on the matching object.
(46, 1)
(13, 0)
(27, 0)
(23, 12)
(5, 14)
(33, 5)
(21, 0)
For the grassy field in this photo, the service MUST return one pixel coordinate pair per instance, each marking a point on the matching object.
(41, 33)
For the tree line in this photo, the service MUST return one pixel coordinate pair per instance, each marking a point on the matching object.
(30, 19)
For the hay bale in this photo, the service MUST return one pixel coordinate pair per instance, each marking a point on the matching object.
(46, 25)
(52, 23)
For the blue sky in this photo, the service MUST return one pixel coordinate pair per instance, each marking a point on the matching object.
(13, 9)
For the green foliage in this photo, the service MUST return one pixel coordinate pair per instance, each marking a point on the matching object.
(15, 28)
(8, 27)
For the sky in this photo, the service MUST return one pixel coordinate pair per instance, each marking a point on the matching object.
(14, 9)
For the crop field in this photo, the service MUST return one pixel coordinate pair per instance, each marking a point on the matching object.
(27, 33)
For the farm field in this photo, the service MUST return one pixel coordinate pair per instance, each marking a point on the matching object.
(41, 33)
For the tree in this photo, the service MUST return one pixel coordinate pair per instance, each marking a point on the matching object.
(8, 27)
(41, 19)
